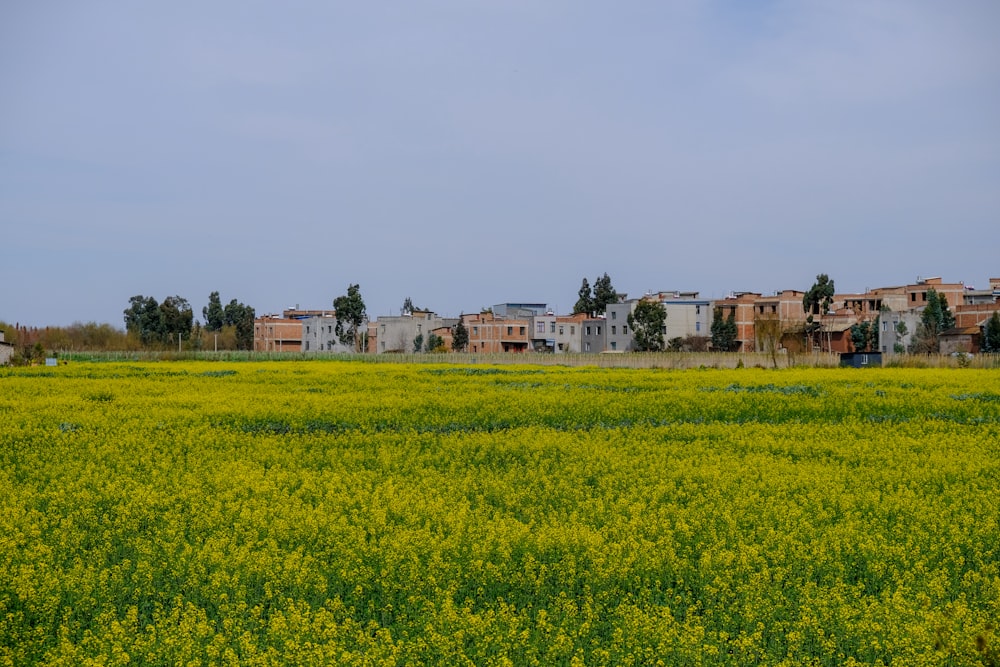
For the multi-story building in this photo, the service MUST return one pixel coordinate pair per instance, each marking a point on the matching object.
(489, 333)
(687, 315)
(400, 333)
(569, 332)
(319, 334)
(741, 306)
(592, 334)
(274, 333)
(618, 336)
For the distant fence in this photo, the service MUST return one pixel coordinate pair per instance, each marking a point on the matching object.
(673, 360)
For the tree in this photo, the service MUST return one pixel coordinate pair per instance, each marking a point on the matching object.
(859, 336)
(817, 302)
(723, 331)
(213, 313)
(991, 334)
(434, 343)
(351, 317)
(585, 304)
(604, 294)
(768, 330)
(418, 342)
(935, 319)
(648, 321)
(144, 319)
(459, 337)
(177, 318)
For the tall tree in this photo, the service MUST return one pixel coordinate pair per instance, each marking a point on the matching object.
(604, 293)
(418, 342)
(648, 322)
(723, 331)
(407, 308)
(459, 337)
(240, 316)
(935, 319)
(351, 317)
(144, 319)
(177, 318)
(213, 313)
(817, 302)
(585, 302)
(991, 334)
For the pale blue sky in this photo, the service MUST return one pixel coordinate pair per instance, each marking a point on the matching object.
(470, 153)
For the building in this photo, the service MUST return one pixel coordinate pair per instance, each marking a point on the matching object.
(741, 305)
(6, 351)
(400, 333)
(490, 334)
(319, 334)
(569, 332)
(617, 335)
(688, 316)
(592, 335)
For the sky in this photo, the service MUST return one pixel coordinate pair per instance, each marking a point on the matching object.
(468, 153)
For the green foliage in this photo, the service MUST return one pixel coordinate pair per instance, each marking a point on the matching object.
(935, 319)
(144, 319)
(604, 294)
(434, 343)
(213, 313)
(241, 317)
(595, 302)
(991, 334)
(585, 302)
(459, 337)
(648, 322)
(723, 331)
(817, 302)
(351, 317)
(418, 342)
(864, 336)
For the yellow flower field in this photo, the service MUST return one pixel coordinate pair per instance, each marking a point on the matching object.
(348, 513)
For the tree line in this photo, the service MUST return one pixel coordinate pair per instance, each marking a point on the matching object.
(170, 324)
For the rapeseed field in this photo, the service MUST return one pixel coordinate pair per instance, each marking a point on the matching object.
(343, 513)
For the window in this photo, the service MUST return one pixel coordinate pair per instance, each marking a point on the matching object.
(625, 329)
(329, 329)
(588, 330)
(614, 345)
(598, 331)
(520, 331)
(561, 330)
(552, 327)
(697, 326)
(475, 332)
(572, 330)
(540, 327)
(614, 314)
(510, 331)
(307, 328)
(614, 329)
(307, 346)
(697, 310)
(586, 347)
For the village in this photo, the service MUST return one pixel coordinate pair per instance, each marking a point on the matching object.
(777, 322)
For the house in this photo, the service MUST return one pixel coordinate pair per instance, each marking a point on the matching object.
(966, 340)
(592, 334)
(742, 306)
(617, 336)
(319, 334)
(687, 315)
(399, 333)
(489, 333)
(6, 351)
